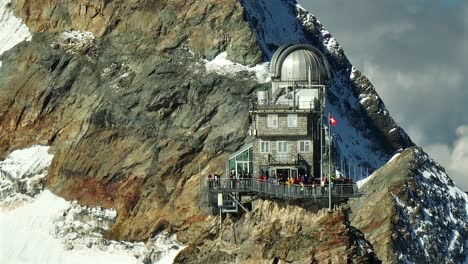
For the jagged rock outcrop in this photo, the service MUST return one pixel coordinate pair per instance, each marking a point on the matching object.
(413, 212)
(274, 232)
(128, 133)
(207, 27)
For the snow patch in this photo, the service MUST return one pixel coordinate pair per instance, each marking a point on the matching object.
(117, 76)
(394, 157)
(354, 73)
(364, 181)
(44, 228)
(364, 99)
(222, 66)
(22, 175)
(330, 42)
(12, 29)
(75, 42)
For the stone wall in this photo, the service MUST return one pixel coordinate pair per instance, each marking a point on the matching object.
(261, 159)
(282, 129)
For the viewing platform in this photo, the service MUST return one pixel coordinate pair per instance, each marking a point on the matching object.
(267, 189)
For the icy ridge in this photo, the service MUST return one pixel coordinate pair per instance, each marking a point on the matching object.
(435, 214)
(274, 23)
(47, 229)
(12, 29)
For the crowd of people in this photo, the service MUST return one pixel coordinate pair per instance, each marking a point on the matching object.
(303, 180)
(239, 175)
(214, 181)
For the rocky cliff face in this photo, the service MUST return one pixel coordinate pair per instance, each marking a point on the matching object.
(122, 93)
(274, 231)
(413, 212)
(129, 122)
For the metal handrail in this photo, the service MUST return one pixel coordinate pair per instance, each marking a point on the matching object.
(279, 189)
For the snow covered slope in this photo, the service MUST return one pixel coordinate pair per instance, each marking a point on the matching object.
(37, 226)
(12, 29)
(275, 23)
(22, 175)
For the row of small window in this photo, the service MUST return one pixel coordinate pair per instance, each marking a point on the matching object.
(273, 121)
(303, 146)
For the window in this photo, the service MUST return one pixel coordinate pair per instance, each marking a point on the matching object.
(292, 120)
(273, 121)
(283, 150)
(304, 145)
(283, 147)
(264, 146)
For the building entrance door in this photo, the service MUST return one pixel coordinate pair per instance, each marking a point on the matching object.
(287, 173)
(282, 172)
(294, 173)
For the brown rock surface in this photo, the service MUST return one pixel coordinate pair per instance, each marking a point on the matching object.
(409, 206)
(126, 132)
(274, 232)
(209, 27)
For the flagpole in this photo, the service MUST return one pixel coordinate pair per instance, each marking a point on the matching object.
(329, 166)
(322, 132)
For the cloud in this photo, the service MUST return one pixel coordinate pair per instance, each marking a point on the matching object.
(454, 159)
(430, 98)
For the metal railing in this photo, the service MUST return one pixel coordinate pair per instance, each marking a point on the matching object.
(282, 190)
(235, 185)
(285, 158)
(285, 104)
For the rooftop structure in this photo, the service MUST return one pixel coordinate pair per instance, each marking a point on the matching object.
(299, 63)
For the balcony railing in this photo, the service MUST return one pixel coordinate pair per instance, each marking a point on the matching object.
(285, 158)
(285, 104)
(282, 190)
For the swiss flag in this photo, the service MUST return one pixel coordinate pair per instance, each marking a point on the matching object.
(333, 121)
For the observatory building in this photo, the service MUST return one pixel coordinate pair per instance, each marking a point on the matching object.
(286, 119)
(285, 157)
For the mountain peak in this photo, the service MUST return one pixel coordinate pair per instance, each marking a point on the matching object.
(130, 97)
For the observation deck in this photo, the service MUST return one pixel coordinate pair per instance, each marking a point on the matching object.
(233, 189)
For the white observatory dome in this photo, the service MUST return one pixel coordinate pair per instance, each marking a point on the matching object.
(299, 63)
(301, 66)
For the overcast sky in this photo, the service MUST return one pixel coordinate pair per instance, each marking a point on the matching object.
(415, 52)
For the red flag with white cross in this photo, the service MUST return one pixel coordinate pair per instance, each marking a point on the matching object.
(332, 121)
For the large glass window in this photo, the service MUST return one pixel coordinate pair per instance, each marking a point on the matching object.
(292, 120)
(241, 164)
(304, 146)
(273, 121)
(264, 146)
